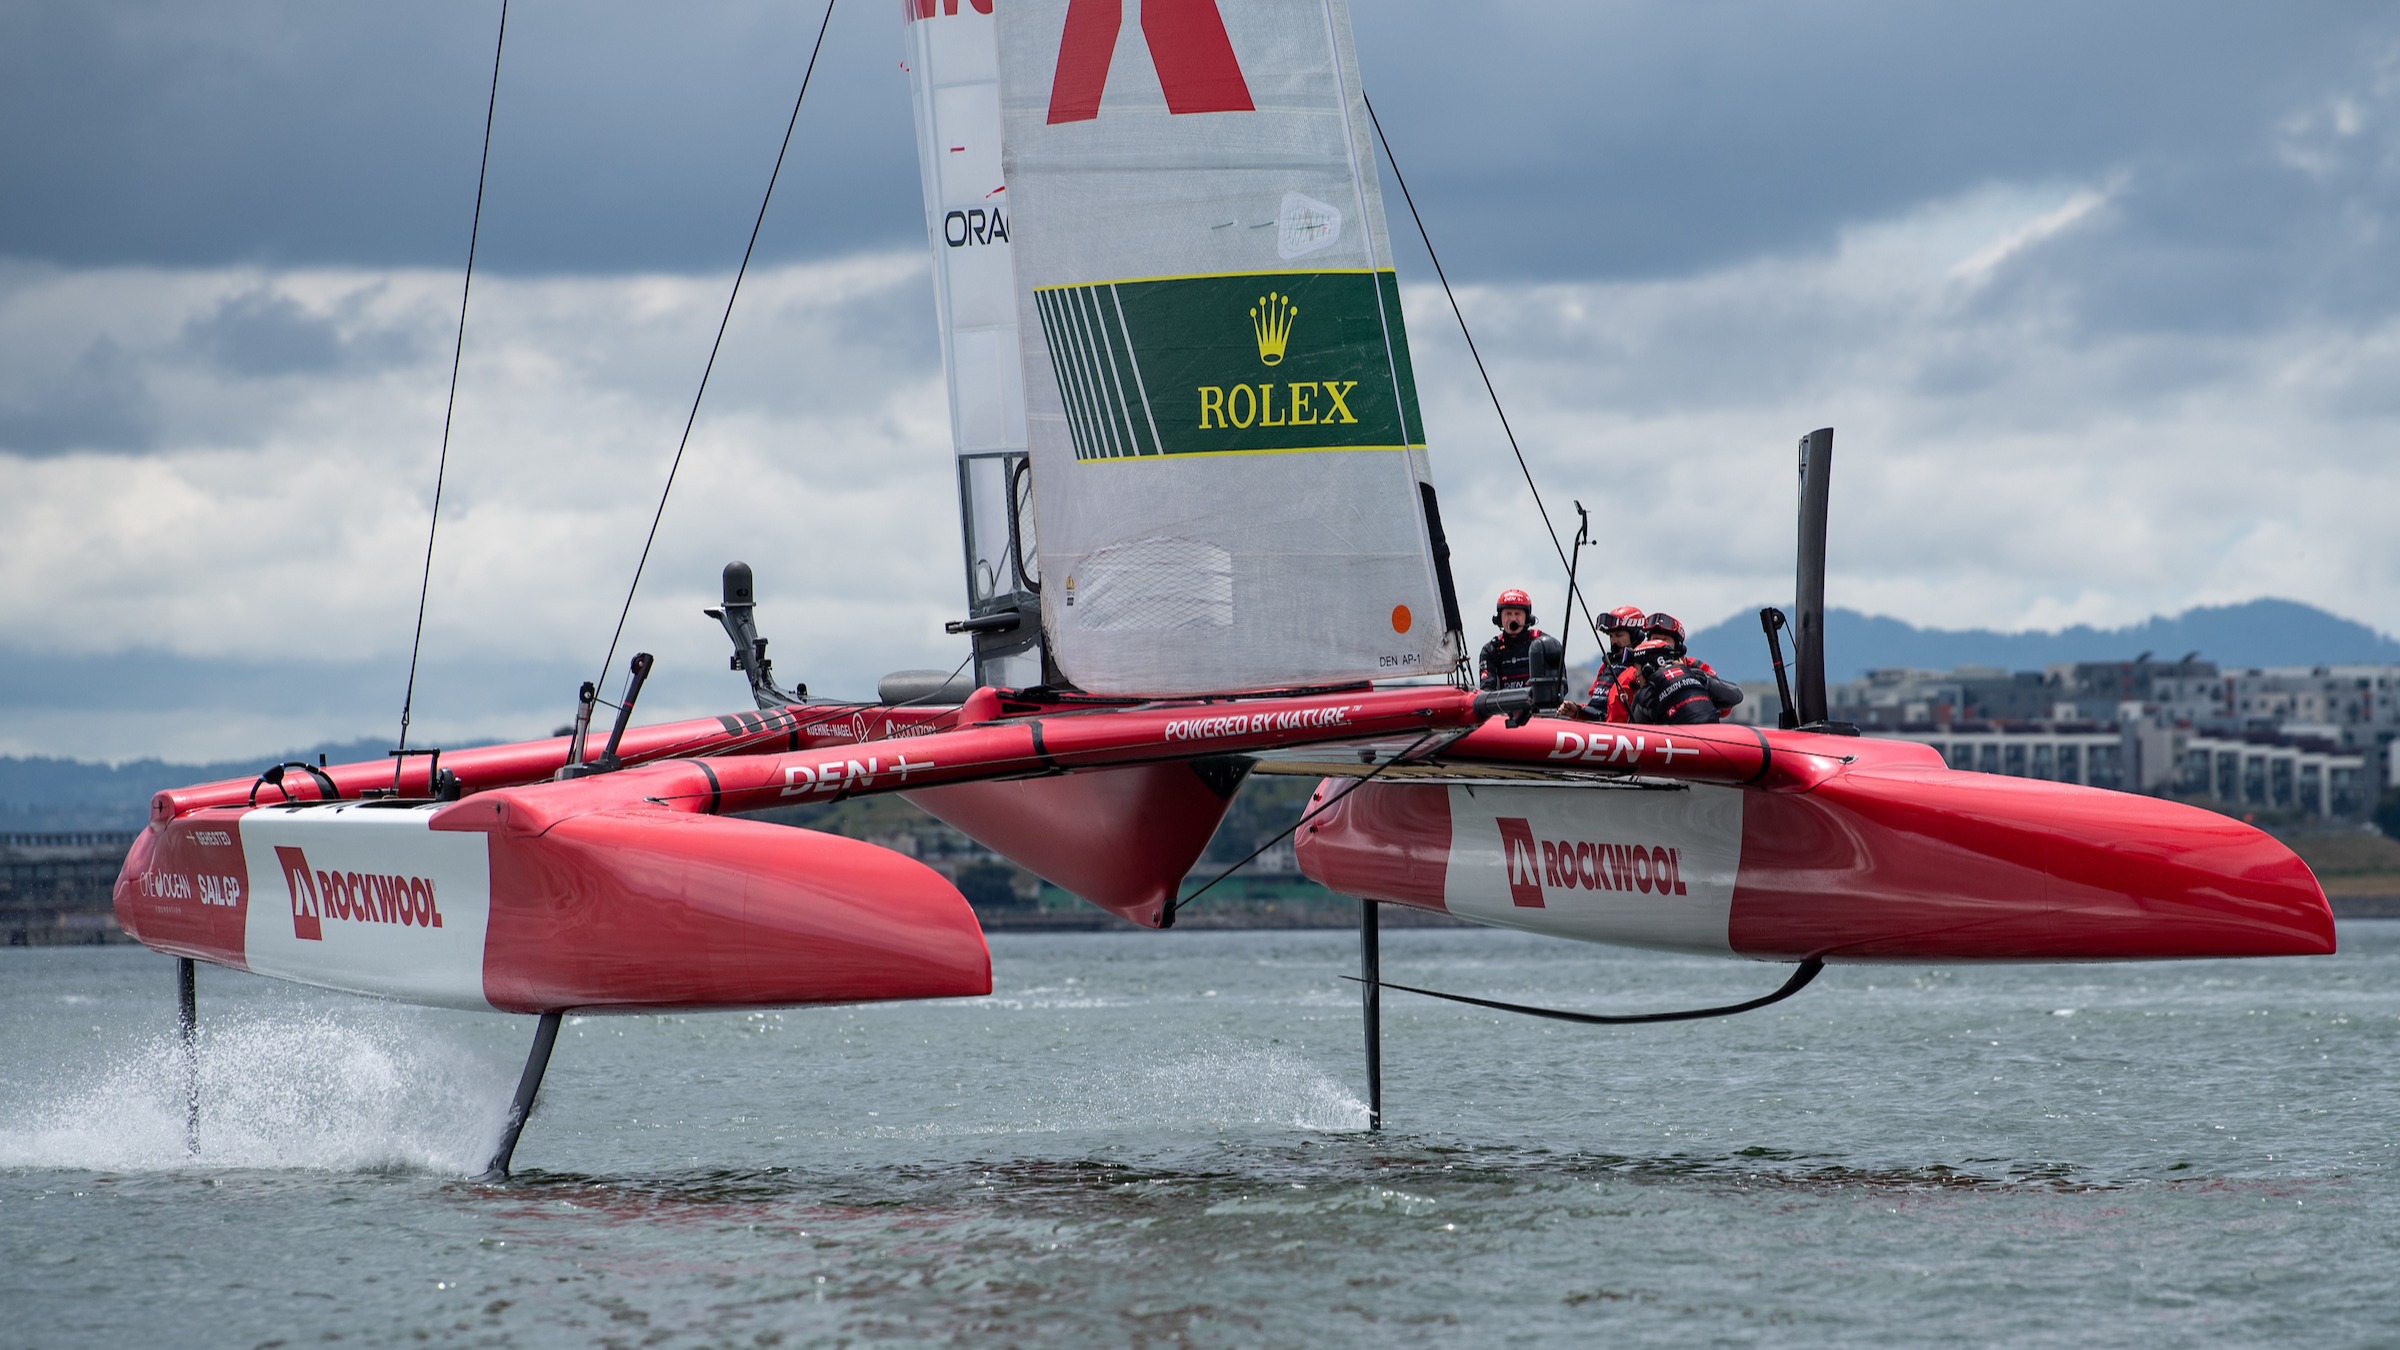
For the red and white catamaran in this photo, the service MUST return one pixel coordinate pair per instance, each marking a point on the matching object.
(1167, 300)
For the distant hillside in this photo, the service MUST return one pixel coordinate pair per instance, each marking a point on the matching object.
(64, 794)
(2255, 633)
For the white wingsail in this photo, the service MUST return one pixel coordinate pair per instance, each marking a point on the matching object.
(951, 52)
(1219, 405)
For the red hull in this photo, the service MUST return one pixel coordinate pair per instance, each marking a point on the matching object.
(625, 891)
(1837, 848)
(631, 909)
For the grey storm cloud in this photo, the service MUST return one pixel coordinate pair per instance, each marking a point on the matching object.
(1616, 141)
(2100, 298)
(261, 333)
(102, 402)
(629, 136)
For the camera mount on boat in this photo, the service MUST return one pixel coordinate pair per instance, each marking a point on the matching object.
(749, 649)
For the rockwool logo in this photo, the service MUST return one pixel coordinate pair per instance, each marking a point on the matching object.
(1583, 864)
(1524, 879)
(1197, 69)
(355, 897)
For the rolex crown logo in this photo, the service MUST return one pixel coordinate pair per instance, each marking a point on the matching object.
(1271, 322)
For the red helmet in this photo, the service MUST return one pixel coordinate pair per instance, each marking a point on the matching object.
(1624, 619)
(1512, 598)
(1666, 624)
(1654, 649)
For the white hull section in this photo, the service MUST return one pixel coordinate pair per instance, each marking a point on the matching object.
(368, 900)
(1635, 868)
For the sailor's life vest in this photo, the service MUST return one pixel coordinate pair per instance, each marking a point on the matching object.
(1530, 660)
(1682, 691)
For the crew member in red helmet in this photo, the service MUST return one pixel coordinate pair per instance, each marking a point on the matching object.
(1620, 629)
(1663, 645)
(1522, 656)
(1669, 688)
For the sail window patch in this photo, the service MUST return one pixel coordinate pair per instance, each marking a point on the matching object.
(1306, 225)
(1153, 585)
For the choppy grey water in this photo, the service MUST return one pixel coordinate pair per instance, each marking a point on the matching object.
(1155, 1139)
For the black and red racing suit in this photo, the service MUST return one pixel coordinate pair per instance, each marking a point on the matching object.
(1527, 659)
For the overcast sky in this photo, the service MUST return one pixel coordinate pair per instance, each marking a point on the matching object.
(2102, 301)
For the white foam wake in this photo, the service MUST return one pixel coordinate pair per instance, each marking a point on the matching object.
(370, 1089)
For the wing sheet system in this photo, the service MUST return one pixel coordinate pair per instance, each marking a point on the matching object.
(1219, 402)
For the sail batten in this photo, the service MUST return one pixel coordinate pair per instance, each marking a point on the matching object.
(1216, 369)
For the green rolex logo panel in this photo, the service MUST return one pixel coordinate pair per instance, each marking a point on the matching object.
(1247, 363)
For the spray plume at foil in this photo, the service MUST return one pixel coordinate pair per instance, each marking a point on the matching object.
(378, 1091)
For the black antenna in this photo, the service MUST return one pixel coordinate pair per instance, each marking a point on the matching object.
(1808, 600)
(1771, 619)
(1583, 535)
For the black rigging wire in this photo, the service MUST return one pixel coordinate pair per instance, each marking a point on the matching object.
(442, 467)
(1799, 980)
(727, 318)
(1175, 906)
(1472, 350)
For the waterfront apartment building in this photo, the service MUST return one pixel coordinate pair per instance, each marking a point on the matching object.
(54, 888)
(2310, 740)
(2356, 706)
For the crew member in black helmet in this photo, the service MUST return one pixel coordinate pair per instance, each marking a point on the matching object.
(1523, 656)
(1668, 688)
(1666, 628)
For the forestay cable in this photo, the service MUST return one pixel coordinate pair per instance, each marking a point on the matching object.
(1173, 906)
(727, 318)
(457, 348)
(1472, 350)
